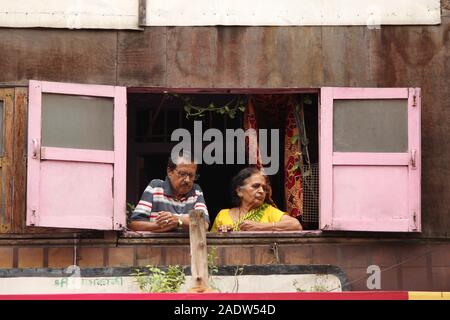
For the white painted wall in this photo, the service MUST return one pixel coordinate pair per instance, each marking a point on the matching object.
(226, 284)
(292, 12)
(71, 14)
(123, 14)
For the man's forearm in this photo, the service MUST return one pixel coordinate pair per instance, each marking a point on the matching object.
(155, 227)
(148, 226)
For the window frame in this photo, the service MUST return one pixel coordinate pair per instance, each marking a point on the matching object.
(7, 96)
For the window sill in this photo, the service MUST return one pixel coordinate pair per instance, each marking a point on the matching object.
(255, 238)
(254, 234)
(135, 237)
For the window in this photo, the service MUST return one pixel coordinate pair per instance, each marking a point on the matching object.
(152, 117)
(363, 144)
(76, 156)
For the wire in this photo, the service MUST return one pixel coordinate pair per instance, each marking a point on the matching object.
(390, 267)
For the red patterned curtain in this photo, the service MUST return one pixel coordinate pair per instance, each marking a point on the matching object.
(293, 160)
(251, 142)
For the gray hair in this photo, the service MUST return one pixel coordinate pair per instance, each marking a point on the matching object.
(183, 155)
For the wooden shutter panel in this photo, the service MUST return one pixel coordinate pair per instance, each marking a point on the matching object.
(370, 159)
(76, 156)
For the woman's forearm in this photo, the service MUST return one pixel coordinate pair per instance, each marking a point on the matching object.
(283, 225)
(290, 224)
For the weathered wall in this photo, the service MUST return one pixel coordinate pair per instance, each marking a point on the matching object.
(405, 265)
(262, 57)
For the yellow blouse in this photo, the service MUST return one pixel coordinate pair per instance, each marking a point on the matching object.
(271, 214)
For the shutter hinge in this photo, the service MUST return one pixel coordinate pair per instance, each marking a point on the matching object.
(33, 217)
(413, 158)
(415, 220)
(414, 97)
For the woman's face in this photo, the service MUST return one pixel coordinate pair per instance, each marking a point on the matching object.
(253, 192)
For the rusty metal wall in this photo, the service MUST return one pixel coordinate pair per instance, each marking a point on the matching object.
(260, 57)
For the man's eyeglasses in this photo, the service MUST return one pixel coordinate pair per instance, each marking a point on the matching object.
(184, 175)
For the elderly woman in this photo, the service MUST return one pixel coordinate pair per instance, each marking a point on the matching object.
(253, 208)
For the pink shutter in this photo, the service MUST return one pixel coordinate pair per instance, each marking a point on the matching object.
(76, 187)
(370, 190)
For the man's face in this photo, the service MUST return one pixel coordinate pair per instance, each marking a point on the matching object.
(182, 177)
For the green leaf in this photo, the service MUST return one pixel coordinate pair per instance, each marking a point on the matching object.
(294, 139)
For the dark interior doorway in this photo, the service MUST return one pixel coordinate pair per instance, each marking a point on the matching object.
(152, 117)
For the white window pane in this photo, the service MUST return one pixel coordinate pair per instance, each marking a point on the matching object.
(78, 122)
(370, 126)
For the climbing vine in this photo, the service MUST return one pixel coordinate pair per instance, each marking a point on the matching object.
(230, 109)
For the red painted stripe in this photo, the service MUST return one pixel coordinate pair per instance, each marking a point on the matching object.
(354, 295)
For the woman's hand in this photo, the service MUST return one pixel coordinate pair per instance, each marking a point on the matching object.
(224, 228)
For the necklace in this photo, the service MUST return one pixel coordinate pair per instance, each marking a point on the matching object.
(239, 214)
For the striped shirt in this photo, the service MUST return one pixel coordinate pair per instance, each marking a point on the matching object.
(158, 196)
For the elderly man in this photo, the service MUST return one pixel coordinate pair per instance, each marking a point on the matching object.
(165, 205)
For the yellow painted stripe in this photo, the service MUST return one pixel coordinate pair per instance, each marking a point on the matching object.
(423, 295)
